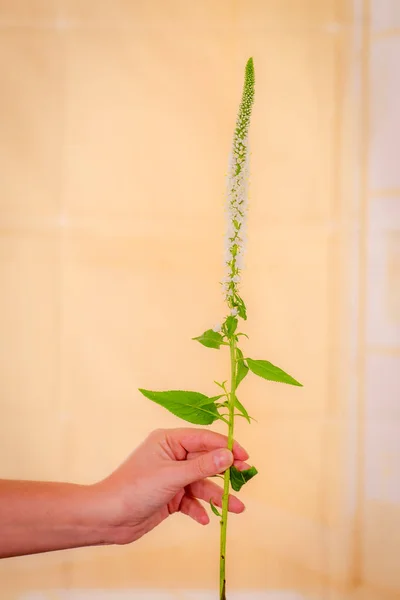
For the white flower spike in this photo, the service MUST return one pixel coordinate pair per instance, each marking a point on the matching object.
(237, 198)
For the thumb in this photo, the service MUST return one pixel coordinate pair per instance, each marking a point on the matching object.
(203, 466)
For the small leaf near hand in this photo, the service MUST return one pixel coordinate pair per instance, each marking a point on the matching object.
(242, 369)
(265, 369)
(215, 509)
(242, 409)
(191, 406)
(239, 478)
(210, 339)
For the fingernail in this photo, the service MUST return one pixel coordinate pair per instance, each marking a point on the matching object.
(223, 458)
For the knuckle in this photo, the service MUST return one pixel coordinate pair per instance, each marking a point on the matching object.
(202, 467)
(157, 433)
(156, 436)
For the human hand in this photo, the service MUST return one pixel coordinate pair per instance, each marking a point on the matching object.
(166, 474)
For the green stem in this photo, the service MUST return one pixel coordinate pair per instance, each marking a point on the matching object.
(225, 498)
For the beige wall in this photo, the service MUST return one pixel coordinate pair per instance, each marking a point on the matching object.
(116, 119)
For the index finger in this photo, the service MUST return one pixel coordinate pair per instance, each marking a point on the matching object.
(204, 440)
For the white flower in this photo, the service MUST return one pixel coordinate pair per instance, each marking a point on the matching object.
(217, 328)
(234, 312)
(240, 262)
(237, 193)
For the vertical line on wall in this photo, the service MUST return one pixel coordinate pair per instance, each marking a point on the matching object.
(357, 569)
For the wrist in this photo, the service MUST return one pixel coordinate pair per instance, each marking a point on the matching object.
(109, 511)
(81, 516)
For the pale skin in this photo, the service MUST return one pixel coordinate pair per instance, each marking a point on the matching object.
(167, 473)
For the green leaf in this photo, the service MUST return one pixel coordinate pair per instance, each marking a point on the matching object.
(242, 409)
(210, 339)
(215, 509)
(239, 478)
(242, 369)
(215, 398)
(231, 325)
(223, 404)
(242, 311)
(240, 305)
(191, 406)
(221, 385)
(267, 370)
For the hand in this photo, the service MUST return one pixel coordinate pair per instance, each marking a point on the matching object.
(166, 474)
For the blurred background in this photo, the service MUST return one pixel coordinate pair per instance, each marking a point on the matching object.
(116, 120)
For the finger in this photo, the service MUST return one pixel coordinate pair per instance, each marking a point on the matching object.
(208, 490)
(193, 509)
(203, 440)
(239, 464)
(179, 474)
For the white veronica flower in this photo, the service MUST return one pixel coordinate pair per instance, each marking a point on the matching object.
(237, 195)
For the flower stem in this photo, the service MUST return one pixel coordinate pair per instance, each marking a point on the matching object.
(225, 498)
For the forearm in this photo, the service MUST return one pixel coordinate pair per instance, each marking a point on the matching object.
(39, 517)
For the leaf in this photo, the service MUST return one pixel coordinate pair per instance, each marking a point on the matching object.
(230, 325)
(242, 369)
(215, 509)
(240, 305)
(267, 370)
(223, 404)
(239, 415)
(239, 478)
(221, 385)
(242, 409)
(191, 406)
(242, 311)
(215, 398)
(210, 339)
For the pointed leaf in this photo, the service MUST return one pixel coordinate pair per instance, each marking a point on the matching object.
(191, 406)
(242, 409)
(210, 339)
(242, 311)
(240, 305)
(265, 369)
(222, 404)
(215, 398)
(215, 509)
(242, 369)
(239, 478)
(230, 325)
(221, 385)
